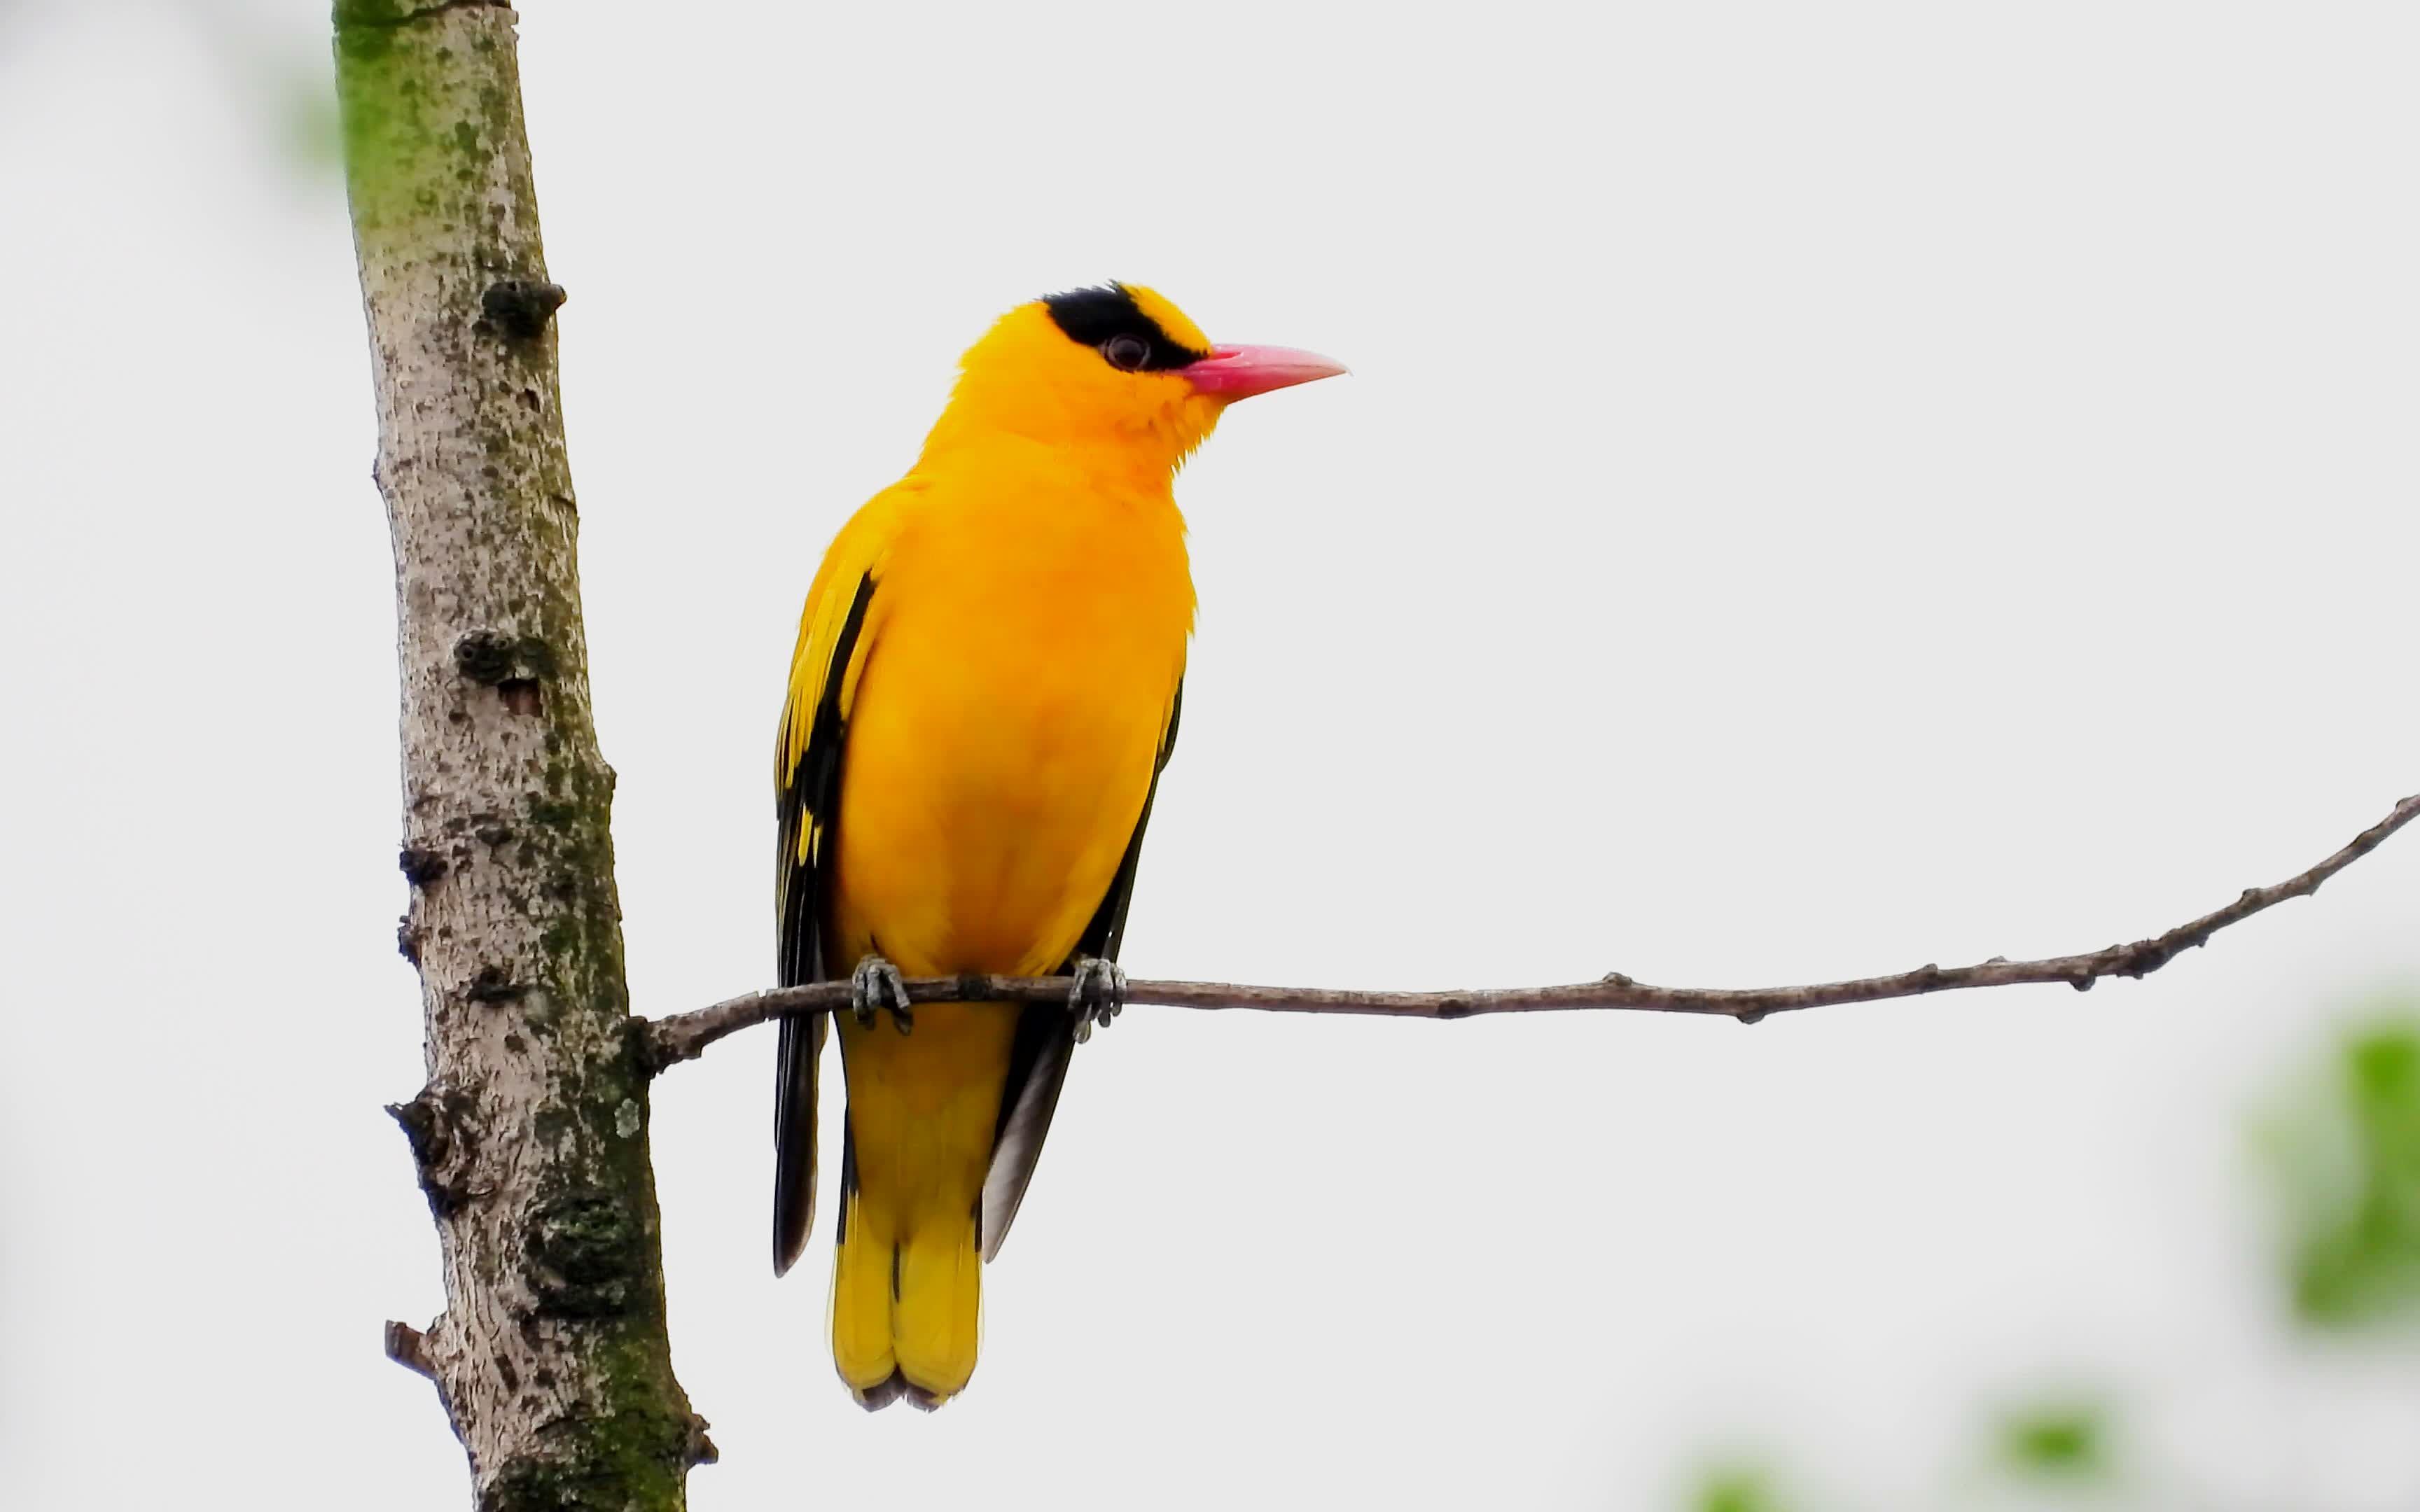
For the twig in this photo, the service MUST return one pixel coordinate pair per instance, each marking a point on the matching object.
(409, 1347)
(684, 1036)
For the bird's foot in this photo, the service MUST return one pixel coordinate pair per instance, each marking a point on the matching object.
(1098, 993)
(874, 980)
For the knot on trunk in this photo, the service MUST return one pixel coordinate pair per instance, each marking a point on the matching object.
(512, 665)
(494, 984)
(421, 865)
(492, 657)
(436, 1124)
(520, 307)
(586, 1257)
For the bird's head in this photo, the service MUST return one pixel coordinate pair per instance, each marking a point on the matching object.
(1119, 367)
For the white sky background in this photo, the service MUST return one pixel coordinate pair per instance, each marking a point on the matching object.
(1822, 490)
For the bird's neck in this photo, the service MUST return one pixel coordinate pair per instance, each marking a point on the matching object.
(1137, 452)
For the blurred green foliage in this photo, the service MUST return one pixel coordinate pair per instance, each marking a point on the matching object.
(2067, 1441)
(1737, 1489)
(2345, 1153)
(2341, 1142)
(312, 132)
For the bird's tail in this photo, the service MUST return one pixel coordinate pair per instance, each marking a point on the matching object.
(906, 1309)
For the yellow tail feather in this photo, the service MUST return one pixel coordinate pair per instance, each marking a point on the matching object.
(923, 1116)
(906, 1316)
(940, 1309)
(860, 1311)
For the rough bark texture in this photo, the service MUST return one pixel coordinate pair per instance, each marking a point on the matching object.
(530, 1136)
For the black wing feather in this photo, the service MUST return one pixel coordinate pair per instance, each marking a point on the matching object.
(809, 795)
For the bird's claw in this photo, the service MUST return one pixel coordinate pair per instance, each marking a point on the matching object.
(1098, 994)
(874, 980)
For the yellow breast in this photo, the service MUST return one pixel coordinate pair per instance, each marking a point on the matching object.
(1028, 638)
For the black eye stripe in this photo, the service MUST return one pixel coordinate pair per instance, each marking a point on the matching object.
(1095, 317)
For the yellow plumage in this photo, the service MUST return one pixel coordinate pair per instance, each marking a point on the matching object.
(984, 689)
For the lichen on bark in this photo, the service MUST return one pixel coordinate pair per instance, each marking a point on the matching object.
(530, 1138)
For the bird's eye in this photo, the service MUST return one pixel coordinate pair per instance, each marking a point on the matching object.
(1127, 353)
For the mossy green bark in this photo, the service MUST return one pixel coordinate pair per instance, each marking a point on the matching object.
(530, 1137)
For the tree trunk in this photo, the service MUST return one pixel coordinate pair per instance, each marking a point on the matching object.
(530, 1136)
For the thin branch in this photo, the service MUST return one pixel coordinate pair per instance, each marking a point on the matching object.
(684, 1036)
(409, 1347)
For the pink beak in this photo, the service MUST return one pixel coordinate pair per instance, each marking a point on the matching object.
(1240, 372)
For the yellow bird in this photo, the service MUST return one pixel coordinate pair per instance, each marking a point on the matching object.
(985, 691)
